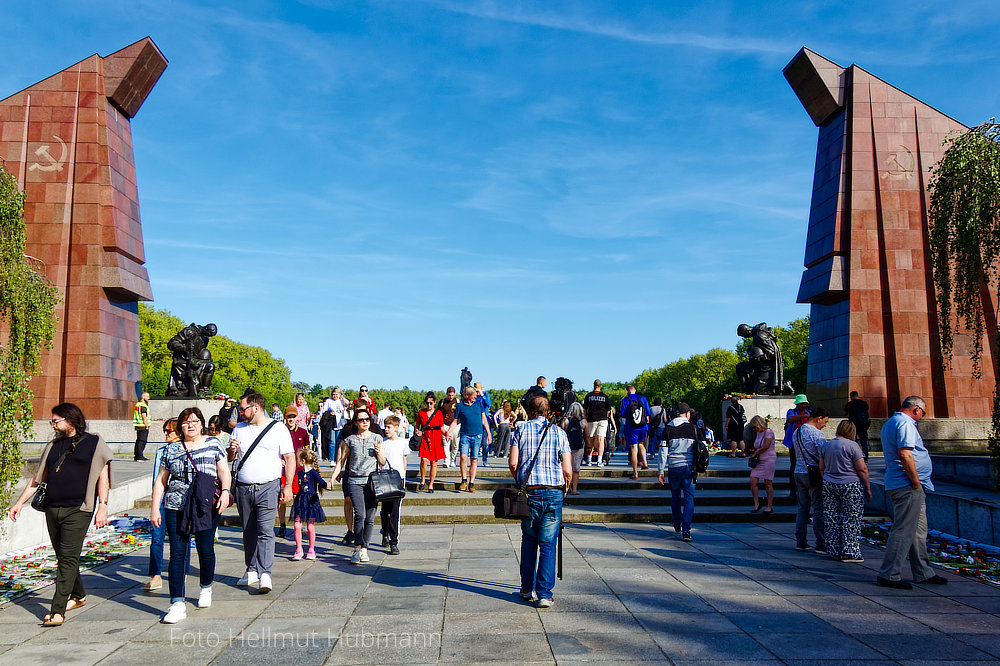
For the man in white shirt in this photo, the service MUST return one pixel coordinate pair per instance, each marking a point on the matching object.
(257, 484)
(383, 414)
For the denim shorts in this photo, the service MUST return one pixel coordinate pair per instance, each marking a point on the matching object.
(470, 445)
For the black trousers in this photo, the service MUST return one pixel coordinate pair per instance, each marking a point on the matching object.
(141, 435)
(67, 528)
(390, 520)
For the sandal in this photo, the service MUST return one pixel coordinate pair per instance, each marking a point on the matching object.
(76, 603)
(48, 620)
(768, 510)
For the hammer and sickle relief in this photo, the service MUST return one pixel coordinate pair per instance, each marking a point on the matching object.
(52, 164)
(900, 164)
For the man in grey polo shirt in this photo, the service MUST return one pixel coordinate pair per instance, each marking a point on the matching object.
(907, 478)
(257, 484)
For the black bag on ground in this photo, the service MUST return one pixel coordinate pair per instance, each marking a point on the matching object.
(511, 503)
(386, 484)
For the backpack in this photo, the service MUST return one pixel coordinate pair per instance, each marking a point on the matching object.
(637, 415)
(701, 457)
(657, 419)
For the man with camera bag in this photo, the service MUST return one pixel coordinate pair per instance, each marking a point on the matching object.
(540, 461)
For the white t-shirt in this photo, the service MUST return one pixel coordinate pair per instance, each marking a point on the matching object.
(395, 454)
(265, 463)
(382, 416)
(339, 412)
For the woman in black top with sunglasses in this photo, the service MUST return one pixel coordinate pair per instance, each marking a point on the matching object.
(75, 467)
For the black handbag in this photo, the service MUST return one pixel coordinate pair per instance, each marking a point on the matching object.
(415, 440)
(38, 502)
(752, 461)
(511, 503)
(386, 484)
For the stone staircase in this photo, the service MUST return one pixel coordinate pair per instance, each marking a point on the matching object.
(606, 495)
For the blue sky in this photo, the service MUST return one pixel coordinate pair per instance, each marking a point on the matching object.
(384, 192)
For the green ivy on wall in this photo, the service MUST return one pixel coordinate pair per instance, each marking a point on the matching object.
(27, 324)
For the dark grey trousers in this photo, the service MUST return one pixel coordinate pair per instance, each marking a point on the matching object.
(907, 536)
(257, 504)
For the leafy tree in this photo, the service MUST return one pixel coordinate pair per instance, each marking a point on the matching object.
(238, 366)
(27, 324)
(965, 247)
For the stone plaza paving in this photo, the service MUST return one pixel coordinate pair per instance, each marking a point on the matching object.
(631, 592)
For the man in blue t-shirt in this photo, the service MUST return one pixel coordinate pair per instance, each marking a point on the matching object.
(470, 419)
(634, 412)
(907, 478)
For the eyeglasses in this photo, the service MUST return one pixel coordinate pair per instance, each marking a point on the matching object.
(55, 421)
(243, 409)
(364, 390)
(922, 410)
(192, 422)
(362, 420)
(430, 402)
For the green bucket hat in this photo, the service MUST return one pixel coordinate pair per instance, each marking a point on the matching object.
(801, 398)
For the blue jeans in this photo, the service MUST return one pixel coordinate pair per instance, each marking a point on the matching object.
(539, 536)
(334, 445)
(468, 445)
(680, 482)
(180, 549)
(654, 440)
(156, 547)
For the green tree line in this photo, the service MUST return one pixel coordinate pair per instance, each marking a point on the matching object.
(701, 380)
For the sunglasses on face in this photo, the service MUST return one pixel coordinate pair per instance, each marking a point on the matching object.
(362, 420)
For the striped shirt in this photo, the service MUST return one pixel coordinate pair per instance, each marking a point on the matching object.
(548, 468)
(181, 473)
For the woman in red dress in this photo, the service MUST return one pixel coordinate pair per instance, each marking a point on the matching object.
(430, 420)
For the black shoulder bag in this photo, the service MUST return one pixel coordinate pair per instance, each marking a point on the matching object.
(511, 502)
(815, 476)
(415, 440)
(387, 484)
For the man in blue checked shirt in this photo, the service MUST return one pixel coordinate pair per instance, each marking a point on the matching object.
(544, 482)
(907, 480)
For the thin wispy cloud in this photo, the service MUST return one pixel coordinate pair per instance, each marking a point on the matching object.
(603, 28)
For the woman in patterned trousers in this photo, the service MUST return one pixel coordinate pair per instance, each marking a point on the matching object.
(845, 486)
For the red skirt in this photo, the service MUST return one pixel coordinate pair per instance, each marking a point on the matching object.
(430, 446)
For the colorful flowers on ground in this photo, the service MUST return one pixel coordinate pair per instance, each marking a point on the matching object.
(33, 568)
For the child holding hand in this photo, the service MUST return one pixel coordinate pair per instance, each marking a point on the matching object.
(306, 507)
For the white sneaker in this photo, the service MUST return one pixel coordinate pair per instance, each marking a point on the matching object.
(356, 556)
(265, 584)
(545, 603)
(249, 578)
(600, 464)
(205, 597)
(176, 613)
(364, 555)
